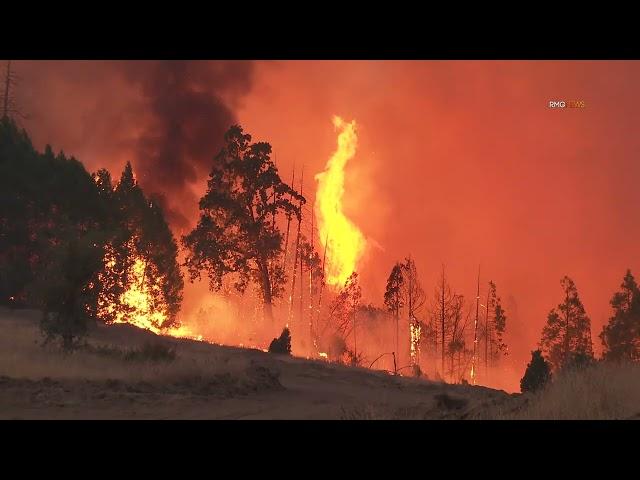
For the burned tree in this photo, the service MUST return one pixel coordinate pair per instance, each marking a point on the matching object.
(236, 233)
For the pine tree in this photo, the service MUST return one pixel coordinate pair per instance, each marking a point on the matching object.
(568, 329)
(393, 298)
(140, 239)
(537, 374)
(621, 336)
(494, 327)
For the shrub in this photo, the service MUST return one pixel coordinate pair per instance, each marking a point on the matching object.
(281, 344)
(537, 374)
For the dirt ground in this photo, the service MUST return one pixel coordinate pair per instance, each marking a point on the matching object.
(207, 381)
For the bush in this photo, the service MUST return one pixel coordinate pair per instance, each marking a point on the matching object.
(151, 352)
(354, 359)
(281, 344)
(65, 291)
(537, 374)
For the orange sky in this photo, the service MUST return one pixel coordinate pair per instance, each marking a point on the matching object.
(459, 163)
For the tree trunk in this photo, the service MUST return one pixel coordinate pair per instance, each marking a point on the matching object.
(442, 324)
(266, 290)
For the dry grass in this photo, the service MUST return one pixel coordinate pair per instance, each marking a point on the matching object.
(602, 392)
(22, 355)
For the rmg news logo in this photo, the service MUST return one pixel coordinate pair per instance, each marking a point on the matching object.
(564, 104)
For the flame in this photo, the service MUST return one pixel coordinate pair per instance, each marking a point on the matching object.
(141, 304)
(342, 239)
(416, 332)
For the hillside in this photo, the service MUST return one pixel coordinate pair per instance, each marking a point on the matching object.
(206, 381)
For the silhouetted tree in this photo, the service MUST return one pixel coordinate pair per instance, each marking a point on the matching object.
(393, 298)
(568, 328)
(44, 199)
(341, 317)
(494, 327)
(621, 336)
(236, 232)
(67, 290)
(537, 374)
(445, 313)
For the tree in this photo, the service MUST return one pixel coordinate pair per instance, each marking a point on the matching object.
(446, 308)
(494, 327)
(45, 199)
(140, 258)
(393, 298)
(621, 336)
(341, 319)
(67, 290)
(537, 374)
(282, 344)
(568, 328)
(456, 325)
(236, 232)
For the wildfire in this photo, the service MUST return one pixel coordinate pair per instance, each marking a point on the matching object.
(343, 240)
(416, 332)
(141, 304)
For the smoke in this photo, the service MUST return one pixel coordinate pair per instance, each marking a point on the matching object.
(189, 103)
(167, 117)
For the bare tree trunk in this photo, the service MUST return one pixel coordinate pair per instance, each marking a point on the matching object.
(266, 291)
(295, 261)
(486, 338)
(442, 323)
(566, 333)
(7, 82)
(475, 333)
(286, 238)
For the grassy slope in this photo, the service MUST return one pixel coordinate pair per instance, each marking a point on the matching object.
(204, 381)
(217, 382)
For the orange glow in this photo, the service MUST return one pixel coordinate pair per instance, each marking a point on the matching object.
(141, 304)
(344, 241)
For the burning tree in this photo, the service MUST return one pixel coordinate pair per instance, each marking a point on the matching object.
(413, 299)
(141, 281)
(237, 232)
(568, 329)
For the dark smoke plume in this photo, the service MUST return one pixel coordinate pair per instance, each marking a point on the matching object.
(189, 104)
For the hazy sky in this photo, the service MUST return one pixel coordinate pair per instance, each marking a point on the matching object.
(459, 163)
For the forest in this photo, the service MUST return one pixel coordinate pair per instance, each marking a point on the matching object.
(86, 248)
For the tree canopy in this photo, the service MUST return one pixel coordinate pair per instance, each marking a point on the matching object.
(237, 232)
